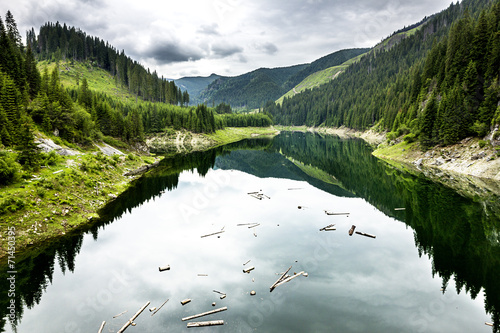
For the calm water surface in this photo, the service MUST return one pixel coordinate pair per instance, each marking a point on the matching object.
(432, 267)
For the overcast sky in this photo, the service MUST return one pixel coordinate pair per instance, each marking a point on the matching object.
(228, 37)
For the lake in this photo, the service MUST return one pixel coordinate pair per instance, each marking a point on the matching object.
(433, 266)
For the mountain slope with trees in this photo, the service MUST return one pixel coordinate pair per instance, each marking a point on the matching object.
(438, 85)
(34, 102)
(252, 90)
(194, 85)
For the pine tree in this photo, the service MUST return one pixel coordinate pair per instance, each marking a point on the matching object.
(427, 124)
(29, 152)
(33, 77)
(12, 31)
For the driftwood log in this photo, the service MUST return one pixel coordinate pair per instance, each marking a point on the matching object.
(249, 269)
(205, 313)
(365, 234)
(159, 308)
(102, 327)
(328, 227)
(351, 231)
(205, 323)
(288, 279)
(212, 234)
(279, 280)
(131, 320)
(164, 268)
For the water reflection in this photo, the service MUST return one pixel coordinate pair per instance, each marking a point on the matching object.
(357, 283)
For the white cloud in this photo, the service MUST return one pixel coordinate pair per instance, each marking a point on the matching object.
(226, 36)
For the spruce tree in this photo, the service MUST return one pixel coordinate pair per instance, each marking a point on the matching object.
(29, 152)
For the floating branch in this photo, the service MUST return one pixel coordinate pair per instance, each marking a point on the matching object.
(102, 327)
(288, 279)
(489, 324)
(219, 292)
(399, 208)
(253, 226)
(164, 268)
(328, 227)
(279, 280)
(131, 320)
(118, 315)
(248, 269)
(351, 231)
(215, 233)
(246, 263)
(186, 301)
(205, 323)
(159, 308)
(330, 213)
(365, 234)
(205, 313)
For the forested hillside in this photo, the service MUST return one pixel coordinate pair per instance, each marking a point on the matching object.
(249, 90)
(252, 90)
(33, 102)
(194, 85)
(438, 85)
(59, 42)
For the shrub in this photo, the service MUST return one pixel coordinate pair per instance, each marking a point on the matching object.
(409, 138)
(480, 128)
(391, 136)
(482, 143)
(11, 205)
(10, 170)
(52, 158)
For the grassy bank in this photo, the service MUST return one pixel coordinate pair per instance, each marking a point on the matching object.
(66, 194)
(61, 196)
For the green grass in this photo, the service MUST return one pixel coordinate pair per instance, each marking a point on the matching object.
(319, 78)
(62, 195)
(233, 134)
(72, 73)
(395, 152)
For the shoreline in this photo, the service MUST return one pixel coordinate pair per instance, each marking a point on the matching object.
(466, 158)
(64, 198)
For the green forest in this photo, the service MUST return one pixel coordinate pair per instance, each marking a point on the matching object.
(252, 90)
(436, 86)
(35, 101)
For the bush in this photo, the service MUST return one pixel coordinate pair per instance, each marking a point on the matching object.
(52, 158)
(391, 136)
(11, 205)
(482, 143)
(10, 170)
(480, 128)
(409, 138)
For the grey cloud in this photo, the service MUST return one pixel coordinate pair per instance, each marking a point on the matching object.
(171, 52)
(242, 59)
(223, 51)
(268, 48)
(209, 29)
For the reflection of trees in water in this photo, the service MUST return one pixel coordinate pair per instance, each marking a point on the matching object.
(35, 267)
(458, 234)
(455, 232)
